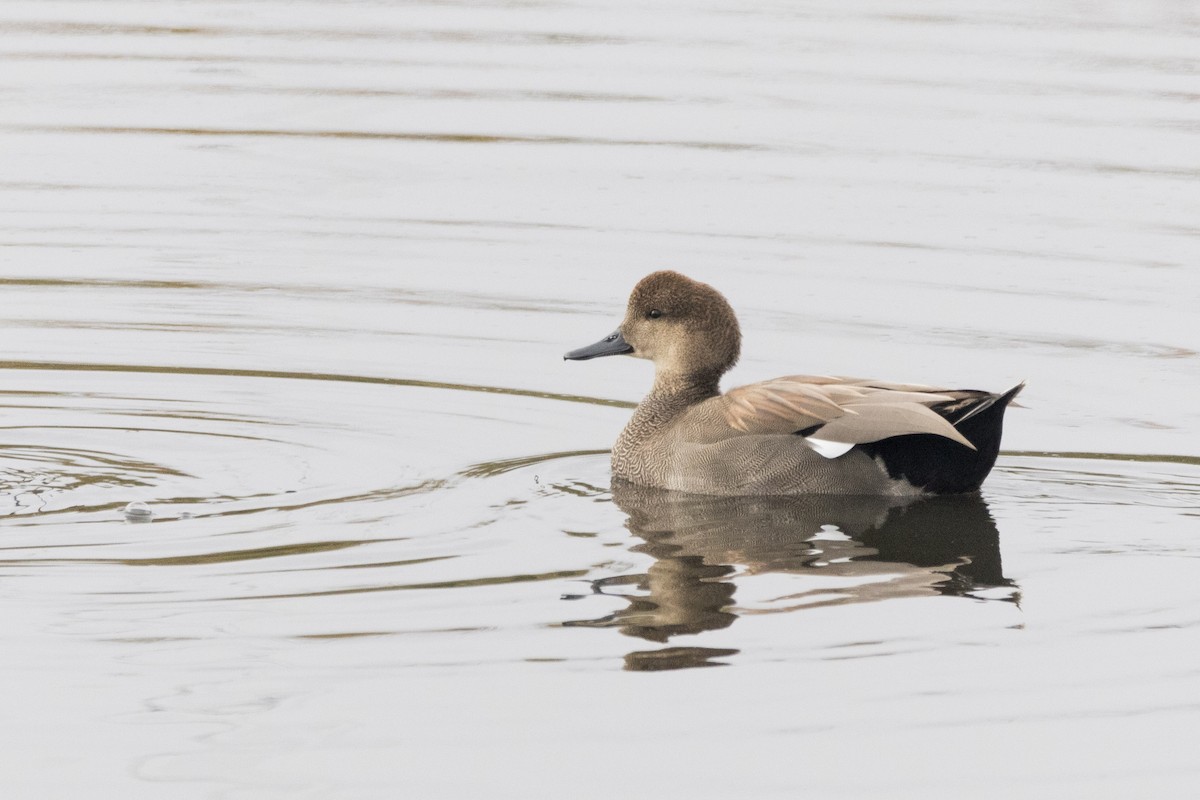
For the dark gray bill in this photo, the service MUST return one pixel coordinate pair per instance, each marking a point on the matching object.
(612, 345)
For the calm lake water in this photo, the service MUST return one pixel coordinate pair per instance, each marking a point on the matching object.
(299, 275)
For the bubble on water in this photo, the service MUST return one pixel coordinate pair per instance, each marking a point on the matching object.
(138, 511)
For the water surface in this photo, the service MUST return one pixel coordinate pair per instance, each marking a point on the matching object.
(299, 276)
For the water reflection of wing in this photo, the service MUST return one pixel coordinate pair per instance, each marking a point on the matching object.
(881, 548)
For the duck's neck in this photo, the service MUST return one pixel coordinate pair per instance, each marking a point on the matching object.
(672, 395)
(679, 390)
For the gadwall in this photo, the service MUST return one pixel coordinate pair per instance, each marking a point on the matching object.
(801, 434)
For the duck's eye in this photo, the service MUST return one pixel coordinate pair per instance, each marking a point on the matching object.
(654, 313)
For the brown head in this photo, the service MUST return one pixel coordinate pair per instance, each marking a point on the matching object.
(687, 328)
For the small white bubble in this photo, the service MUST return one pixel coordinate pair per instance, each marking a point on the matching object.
(138, 511)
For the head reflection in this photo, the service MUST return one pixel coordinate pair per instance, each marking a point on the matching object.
(881, 548)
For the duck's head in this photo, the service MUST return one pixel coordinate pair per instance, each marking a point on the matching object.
(687, 328)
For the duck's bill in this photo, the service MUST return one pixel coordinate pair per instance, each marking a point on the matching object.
(612, 345)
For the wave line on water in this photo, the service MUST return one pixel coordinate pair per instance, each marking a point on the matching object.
(54, 366)
(1150, 458)
(402, 136)
(202, 559)
(56, 27)
(465, 583)
(487, 469)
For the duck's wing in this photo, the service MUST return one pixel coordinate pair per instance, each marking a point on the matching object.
(846, 411)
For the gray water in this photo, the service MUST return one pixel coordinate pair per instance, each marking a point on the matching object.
(299, 275)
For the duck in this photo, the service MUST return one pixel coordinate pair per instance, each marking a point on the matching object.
(793, 435)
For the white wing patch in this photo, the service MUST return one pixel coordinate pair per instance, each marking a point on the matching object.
(829, 450)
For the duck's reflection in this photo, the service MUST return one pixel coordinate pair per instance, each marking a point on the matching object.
(879, 548)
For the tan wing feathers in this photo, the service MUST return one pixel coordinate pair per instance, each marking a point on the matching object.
(888, 397)
(849, 410)
(874, 422)
(778, 407)
(866, 383)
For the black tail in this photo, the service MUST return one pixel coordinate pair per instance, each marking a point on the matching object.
(940, 465)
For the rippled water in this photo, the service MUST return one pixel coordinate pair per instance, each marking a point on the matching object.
(299, 276)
